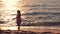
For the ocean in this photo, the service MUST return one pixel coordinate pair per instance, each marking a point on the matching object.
(32, 11)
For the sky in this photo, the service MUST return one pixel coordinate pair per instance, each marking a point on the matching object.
(32, 11)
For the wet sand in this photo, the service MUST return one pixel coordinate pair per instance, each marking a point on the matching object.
(29, 32)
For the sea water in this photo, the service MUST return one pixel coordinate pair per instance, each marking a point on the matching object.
(32, 11)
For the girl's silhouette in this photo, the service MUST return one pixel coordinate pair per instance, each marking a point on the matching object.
(18, 19)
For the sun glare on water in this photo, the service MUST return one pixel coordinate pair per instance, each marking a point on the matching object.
(11, 4)
(10, 9)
